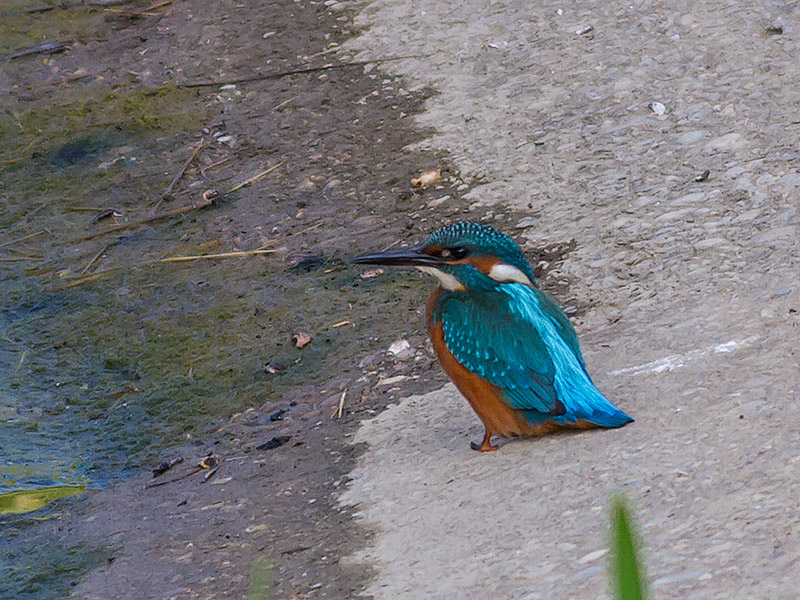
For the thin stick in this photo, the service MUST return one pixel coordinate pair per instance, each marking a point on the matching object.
(43, 48)
(21, 360)
(25, 252)
(22, 239)
(340, 408)
(210, 474)
(177, 177)
(340, 324)
(171, 213)
(95, 259)
(144, 11)
(284, 103)
(18, 258)
(221, 255)
(83, 280)
(216, 164)
(280, 74)
(255, 178)
(85, 209)
(173, 480)
(28, 11)
(306, 230)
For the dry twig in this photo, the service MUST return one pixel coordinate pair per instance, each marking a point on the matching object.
(279, 74)
(22, 239)
(255, 178)
(180, 174)
(139, 223)
(138, 13)
(92, 277)
(338, 412)
(43, 48)
(220, 255)
(95, 259)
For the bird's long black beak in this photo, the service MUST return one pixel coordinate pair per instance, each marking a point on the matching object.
(412, 257)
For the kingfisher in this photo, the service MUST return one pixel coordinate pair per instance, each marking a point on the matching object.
(507, 346)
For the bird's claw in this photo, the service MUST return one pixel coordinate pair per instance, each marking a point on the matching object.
(485, 447)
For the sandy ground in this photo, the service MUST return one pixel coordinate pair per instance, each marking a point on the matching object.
(599, 120)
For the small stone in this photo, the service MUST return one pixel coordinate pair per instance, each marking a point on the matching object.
(391, 380)
(692, 137)
(372, 273)
(727, 142)
(593, 556)
(398, 347)
(527, 222)
(438, 201)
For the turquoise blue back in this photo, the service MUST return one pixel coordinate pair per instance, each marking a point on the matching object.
(517, 338)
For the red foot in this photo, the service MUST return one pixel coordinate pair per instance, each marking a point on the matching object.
(486, 446)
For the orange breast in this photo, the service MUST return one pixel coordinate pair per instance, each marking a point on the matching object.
(483, 396)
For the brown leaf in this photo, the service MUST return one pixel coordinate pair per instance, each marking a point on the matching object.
(426, 178)
(301, 339)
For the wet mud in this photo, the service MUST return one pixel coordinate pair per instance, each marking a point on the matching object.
(114, 360)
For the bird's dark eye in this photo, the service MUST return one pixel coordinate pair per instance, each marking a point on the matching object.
(458, 252)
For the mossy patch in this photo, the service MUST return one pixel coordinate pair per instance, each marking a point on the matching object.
(60, 121)
(20, 30)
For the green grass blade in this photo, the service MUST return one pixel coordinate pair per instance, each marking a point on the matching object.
(260, 587)
(627, 579)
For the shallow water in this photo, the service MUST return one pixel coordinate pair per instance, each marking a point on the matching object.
(99, 378)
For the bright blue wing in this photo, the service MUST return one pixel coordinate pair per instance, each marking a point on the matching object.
(502, 347)
(562, 323)
(523, 343)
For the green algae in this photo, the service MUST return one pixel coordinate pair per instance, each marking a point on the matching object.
(98, 117)
(21, 501)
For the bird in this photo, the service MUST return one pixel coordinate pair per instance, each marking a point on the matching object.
(505, 344)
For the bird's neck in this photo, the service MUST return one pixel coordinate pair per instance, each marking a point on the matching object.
(432, 308)
(484, 300)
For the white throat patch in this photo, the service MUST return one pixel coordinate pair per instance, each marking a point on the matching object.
(505, 273)
(447, 281)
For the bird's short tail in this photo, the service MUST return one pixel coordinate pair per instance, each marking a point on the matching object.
(602, 414)
(613, 418)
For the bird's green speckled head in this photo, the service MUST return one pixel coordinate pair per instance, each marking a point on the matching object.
(463, 256)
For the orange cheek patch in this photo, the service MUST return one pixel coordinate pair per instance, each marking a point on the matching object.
(484, 264)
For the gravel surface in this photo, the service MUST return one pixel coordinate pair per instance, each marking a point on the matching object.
(663, 139)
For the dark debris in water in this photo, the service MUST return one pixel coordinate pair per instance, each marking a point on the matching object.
(76, 151)
(309, 263)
